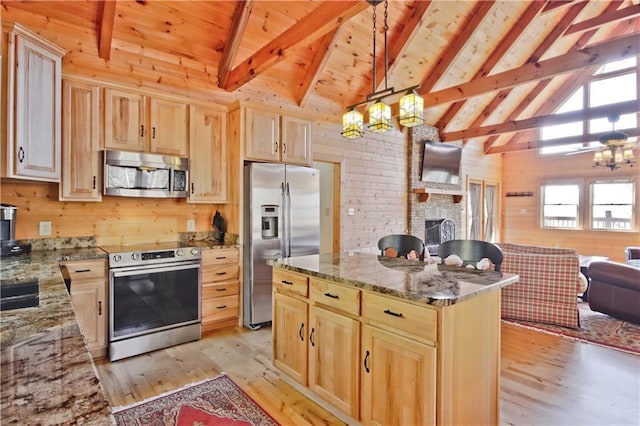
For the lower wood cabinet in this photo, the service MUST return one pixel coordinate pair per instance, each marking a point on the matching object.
(89, 285)
(220, 288)
(290, 332)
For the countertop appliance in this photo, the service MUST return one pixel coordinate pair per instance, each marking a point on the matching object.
(154, 294)
(139, 174)
(8, 244)
(281, 219)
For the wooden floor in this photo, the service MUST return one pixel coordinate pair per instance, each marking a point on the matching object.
(546, 379)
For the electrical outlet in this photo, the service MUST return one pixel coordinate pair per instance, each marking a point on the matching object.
(352, 211)
(191, 225)
(45, 229)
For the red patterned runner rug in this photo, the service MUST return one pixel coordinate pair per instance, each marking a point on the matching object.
(213, 402)
(596, 327)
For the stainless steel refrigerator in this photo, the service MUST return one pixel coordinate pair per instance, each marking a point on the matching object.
(281, 219)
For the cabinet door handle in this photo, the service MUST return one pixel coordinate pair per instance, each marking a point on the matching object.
(221, 306)
(284, 148)
(153, 132)
(301, 331)
(333, 296)
(142, 130)
(286, 282)
(313, 330)
(100, 307)
(395, 314)
(275, 144)
(20, 154)
(192, 188)
(94, 182)
(366, 357)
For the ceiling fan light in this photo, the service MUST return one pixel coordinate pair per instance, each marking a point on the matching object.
(607, 155)
(352, 124)
(627, 154)
(380, 117)
(411, 109)
(597, 157)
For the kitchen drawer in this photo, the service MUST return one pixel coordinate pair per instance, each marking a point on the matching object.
(343, 298)
(222, 272)
(290, 281)
(219, 256)
(80, 270)
(413, 321)
(219, 289)
(220, 308)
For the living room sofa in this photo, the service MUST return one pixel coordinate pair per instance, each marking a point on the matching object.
(550, 281)
(615, 290)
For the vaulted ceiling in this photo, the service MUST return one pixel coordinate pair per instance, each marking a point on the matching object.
(487, 69)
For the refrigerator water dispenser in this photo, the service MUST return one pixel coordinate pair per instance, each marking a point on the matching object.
(269, 221)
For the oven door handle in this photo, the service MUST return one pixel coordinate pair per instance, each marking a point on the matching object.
(149, 269)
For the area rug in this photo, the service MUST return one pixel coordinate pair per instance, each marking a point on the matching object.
(213, 402)
(597, 328)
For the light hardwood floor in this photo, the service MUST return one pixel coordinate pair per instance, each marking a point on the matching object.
(546, 379)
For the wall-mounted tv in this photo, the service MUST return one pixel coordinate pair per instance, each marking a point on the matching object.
(441, 163)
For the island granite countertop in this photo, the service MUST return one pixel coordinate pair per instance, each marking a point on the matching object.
(434, 284)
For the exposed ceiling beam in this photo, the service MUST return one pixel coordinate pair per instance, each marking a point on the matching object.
(593, 55)
(325, 18)
(323, 51)
(544, 120)
(106, 28)
(238, 26)
(452, 50)
(605, 18)
(555, 4)
(503, 47)
(556, 142)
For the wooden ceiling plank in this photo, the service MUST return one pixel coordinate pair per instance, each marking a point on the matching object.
(452, 50)
(544, 120)
(106, 28)
(633, 132)
(406, 31)
(324, 18)
(238, 26)
(501, 49)
(317, 64)
(605, 18)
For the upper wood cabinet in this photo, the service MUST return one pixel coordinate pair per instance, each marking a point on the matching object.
(81, 165)
(208, 162)
(273, 137)
(136, 122)
(31, 103)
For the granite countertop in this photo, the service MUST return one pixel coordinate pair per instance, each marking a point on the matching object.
(47, 375)
(434, 284)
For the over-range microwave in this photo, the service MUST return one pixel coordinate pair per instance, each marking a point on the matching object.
(139, 174)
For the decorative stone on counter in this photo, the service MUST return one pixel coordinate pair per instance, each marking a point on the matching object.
(438, 285)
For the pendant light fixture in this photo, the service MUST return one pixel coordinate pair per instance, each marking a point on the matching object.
(616, 152)
(411, 105)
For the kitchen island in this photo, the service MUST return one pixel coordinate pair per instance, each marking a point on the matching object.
(390, 341)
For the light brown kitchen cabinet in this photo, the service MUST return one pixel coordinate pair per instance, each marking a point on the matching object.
(89, 298)
(220, 288)
(290, 329)
(274, 137)
(82, 165)
(208, 157)
(136, 122)
(31, 103)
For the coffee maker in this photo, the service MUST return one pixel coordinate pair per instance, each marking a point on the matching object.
(8, 244)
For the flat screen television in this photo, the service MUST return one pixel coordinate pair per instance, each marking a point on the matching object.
(441, 163)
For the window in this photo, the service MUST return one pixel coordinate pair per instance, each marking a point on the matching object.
(561, 205)
(612, 83)
(612, 205)
(482, 208)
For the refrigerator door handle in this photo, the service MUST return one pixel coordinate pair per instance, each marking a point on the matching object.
(283, 236)
(288, 213)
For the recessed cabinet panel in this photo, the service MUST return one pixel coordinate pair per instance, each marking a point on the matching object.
(296, 140)
(290, 336)
(263, 135)
(169, 129)
(124, 120)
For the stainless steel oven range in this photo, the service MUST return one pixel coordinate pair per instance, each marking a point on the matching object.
(154, 295)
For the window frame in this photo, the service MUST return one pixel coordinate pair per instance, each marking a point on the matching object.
(579, 216)
(634, 202)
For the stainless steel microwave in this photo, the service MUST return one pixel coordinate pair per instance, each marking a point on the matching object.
(139, 174)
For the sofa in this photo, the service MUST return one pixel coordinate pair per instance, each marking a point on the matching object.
(549, 285)
(615, 290)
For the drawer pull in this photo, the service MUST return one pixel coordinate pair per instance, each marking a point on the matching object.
(82, 270)
(221, 257)
(366, 357)
(286, 282)
(221, 273)
(221, 306)
(333, 296)
(301, 331)
(395, 314)
(221, 289)
(313, 330)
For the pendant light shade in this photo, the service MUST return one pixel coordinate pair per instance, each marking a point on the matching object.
(411, 109)
(380, 117)
(352, 124)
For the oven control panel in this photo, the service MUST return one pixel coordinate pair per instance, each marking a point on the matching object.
(135, 258)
